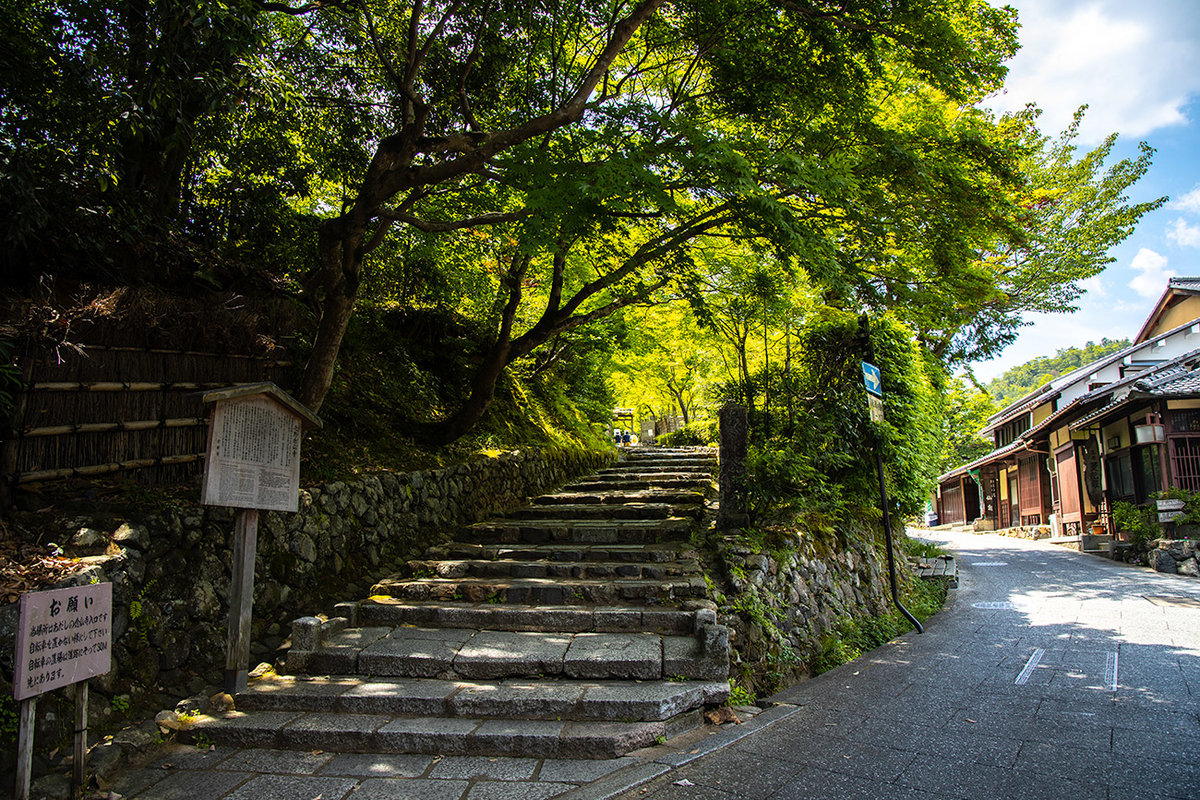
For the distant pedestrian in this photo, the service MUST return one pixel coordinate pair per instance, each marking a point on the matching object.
(626, 438)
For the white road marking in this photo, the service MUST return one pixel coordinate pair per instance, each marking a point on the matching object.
(993, 604)
(1030, 666)
(1110, 672)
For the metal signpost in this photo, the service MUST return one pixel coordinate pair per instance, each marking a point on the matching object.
(64, 637)
(252, 464)
(873, 381)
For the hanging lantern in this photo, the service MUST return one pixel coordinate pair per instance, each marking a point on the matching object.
(1152, 431)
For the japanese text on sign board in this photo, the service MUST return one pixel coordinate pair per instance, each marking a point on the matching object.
(254, 456)
(63, 636)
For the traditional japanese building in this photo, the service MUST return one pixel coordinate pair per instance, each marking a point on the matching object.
(1120, 428)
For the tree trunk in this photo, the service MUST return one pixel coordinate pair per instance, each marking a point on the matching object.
(483, 391)
(341, 291)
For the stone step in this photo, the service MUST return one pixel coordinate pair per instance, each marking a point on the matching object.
(603, 701)
(382, 733)
(544, 591)
(709, 464)
(649, 471)
(385, 611)
(669, 452)
(513, 568)
(655, 552)
(638, 511)
(621, 497)
(703, 485)
(626, 531)
(463, 653)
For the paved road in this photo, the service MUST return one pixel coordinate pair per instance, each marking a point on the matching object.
(1051, 676)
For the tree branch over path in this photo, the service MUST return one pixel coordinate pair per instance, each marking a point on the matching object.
(394, 169)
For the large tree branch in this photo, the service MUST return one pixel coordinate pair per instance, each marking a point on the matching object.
(430, 226)
(401, 85)
(570, 111)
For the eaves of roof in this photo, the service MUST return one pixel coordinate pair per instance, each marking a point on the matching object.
(1057, 416)
(998, 453)
(1174, 378)
(1175, 287)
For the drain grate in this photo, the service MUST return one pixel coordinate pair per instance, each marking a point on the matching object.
(1173, 602)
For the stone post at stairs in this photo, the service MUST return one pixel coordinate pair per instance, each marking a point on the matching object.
(735, 433)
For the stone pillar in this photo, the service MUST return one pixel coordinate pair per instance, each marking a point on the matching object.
(735, 434)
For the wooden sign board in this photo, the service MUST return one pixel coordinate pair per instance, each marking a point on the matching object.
(875, 406)
(1169, 505)
(64, 636)
(253, 455)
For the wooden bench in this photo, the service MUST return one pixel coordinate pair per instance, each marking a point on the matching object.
(938, 568)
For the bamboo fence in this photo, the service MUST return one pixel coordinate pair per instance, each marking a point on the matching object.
(103, 409)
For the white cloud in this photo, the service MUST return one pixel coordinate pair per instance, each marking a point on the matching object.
(1094, 286)
(1183, 234)
(1135, 66)
(1189, 202)
(1154, 274)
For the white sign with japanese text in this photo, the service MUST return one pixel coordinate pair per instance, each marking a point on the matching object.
(253, 456)
(64, 636)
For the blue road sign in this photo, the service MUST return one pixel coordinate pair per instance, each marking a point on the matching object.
(872, 379)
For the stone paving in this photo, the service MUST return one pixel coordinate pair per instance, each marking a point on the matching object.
(1050, 674)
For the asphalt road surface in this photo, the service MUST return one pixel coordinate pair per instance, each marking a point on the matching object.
(1050, 674)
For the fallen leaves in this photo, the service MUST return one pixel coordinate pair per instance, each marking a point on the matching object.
(27, 567)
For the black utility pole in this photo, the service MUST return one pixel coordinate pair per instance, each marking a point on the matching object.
(869, 376)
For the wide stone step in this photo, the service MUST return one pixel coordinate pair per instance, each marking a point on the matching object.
(382, 733)
(460, 653)
(591, 570)
(604, 701)
(622, 497)
(639, 511)
(655, 552)
(386, 611)
(621, 531)
(544, 591)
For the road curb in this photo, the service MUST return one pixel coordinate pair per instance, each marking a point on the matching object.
(630, 777)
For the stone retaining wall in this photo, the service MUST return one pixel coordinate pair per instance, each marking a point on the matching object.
(170, 570)
(1176, 556)
(780, 603)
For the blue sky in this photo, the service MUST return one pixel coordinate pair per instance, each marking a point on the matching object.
(1137, 67)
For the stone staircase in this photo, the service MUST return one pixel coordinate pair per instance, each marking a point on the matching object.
(576, 627)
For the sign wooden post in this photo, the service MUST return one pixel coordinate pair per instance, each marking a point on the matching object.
(241, 600)
(252, 464)
(64, 637)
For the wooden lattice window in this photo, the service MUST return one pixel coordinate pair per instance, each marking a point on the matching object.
(1185, 462)
(1185, 421)
(1031, 487)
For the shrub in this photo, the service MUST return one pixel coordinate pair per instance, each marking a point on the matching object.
(1141, 522)
(694, 434)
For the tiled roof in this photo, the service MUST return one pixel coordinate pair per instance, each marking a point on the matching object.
(1178, 377)
(1185, 284)
(999, 452)
(1048, 391)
